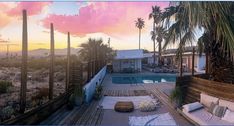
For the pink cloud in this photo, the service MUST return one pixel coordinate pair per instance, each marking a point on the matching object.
(32, 8)
(106, 17)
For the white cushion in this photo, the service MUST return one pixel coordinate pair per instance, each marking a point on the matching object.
(228, 104)
(203, 117)
(206, 100)
(192, 106)
(228, 116)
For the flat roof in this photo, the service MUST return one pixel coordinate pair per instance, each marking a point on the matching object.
(129, 54)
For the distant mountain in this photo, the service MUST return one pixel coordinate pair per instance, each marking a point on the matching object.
(43, 52)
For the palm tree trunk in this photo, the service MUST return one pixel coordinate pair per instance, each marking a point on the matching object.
(181, 60)
(23, 87)
(207, 63)
(193, 61)
(159, 53)
(154, 44)
(51, 76)
(139, 38)
(68, 61)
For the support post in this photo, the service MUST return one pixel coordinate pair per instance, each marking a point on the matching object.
(23, 87)
(193, 61)
(51, 76)
(68, 62)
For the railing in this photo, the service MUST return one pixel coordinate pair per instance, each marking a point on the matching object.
(40, 113)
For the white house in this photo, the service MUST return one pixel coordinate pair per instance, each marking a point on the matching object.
(128, 61)
(169, 58)
(149, 58)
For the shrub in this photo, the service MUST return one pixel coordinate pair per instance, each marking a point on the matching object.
(176, 96)
(7, 112)
(42, 93)
(98, 92)
(4, 86)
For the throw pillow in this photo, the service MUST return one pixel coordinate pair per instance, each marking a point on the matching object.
(206, 99)
(217, 110)
(229, 116)
(192, 106)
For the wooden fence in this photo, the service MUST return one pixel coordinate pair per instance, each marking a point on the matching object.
(192, 86)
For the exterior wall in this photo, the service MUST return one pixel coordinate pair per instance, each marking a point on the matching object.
(90, 87)
(150, 60)
(121, 65)
(201, 62)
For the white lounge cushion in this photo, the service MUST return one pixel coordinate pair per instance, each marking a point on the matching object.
(192, 106)
(203, 117)
(228, 104)
(206, 100)
(229, 116)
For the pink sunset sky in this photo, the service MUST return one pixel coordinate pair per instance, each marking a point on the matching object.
(114, 20)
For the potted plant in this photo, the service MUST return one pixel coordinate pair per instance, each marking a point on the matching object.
(78, 95)
(71, 102)
(98, 92)
(176, 97)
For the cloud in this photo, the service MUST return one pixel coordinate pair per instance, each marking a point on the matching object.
(4, 20)
(33, 8)
(10, 10)
(107, 17)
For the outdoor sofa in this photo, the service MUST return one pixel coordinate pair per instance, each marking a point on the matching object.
(200, 114)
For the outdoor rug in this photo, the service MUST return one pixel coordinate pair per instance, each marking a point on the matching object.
(108, 102)
(152, 120)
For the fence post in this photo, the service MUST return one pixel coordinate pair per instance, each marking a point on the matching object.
(89, 71)
(23, 87)
(51, 74)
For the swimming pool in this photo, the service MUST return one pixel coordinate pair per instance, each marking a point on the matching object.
(133, 79)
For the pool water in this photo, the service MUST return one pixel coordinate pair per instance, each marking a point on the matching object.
(133, 79)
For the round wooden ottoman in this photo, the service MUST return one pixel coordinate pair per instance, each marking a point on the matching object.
(124, 106)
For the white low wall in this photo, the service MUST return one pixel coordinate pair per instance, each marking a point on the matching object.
(91, 86)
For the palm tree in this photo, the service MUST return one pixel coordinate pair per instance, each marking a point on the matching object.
(140, 23)
(160, 35)
(156, 16)
(95, 50)
(217, 21)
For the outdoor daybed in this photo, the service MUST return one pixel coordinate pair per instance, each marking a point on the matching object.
(206, 111)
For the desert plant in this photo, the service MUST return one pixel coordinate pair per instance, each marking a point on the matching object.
(7, 112)
(4, 86)
(71, 102)
(176, 96)
(42, 93)
(98, 92)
